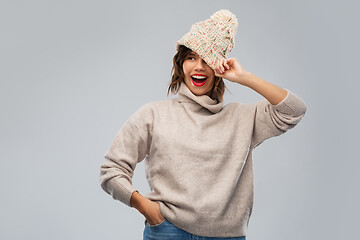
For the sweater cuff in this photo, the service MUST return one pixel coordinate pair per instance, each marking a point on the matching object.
(291, 105)
(121, 190)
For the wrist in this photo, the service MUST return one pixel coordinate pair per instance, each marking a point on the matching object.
(137, 201)
(244, 78)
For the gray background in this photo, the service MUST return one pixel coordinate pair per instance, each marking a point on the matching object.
(72, 72)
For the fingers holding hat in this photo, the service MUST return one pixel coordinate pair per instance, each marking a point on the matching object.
(221, 66)
(225, 64)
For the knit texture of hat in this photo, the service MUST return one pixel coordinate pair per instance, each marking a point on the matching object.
(213, 38)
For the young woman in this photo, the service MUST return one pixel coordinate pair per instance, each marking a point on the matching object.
(198, 152)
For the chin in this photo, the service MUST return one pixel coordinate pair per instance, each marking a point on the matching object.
(199, 93)
(197, 90)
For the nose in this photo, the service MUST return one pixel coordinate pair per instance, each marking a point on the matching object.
(200, 64)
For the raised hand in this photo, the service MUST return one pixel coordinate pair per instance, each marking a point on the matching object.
(230, 69)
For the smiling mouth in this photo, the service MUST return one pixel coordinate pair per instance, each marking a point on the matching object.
(198, 80)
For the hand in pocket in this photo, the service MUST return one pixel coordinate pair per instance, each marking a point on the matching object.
(152, 213)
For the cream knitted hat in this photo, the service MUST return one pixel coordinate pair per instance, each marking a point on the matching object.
(213, 38)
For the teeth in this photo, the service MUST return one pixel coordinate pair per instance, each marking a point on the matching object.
(198, 77)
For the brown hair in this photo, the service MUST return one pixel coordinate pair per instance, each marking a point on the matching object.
(218, 88)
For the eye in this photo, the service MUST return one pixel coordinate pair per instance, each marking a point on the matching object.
(191, 57)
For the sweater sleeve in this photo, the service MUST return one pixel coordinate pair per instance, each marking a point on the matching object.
(274, 120)
(129, 147)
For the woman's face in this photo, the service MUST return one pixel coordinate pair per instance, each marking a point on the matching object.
(199, 77)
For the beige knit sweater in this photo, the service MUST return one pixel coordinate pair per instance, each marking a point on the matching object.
(198, 157)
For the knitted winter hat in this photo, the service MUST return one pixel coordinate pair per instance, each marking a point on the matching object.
(213, 38)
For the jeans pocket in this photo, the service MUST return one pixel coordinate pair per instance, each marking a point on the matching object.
(156, 225)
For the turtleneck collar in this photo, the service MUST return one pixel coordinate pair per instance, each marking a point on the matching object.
(198, 102)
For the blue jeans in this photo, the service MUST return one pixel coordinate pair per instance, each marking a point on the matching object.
(167, 231)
